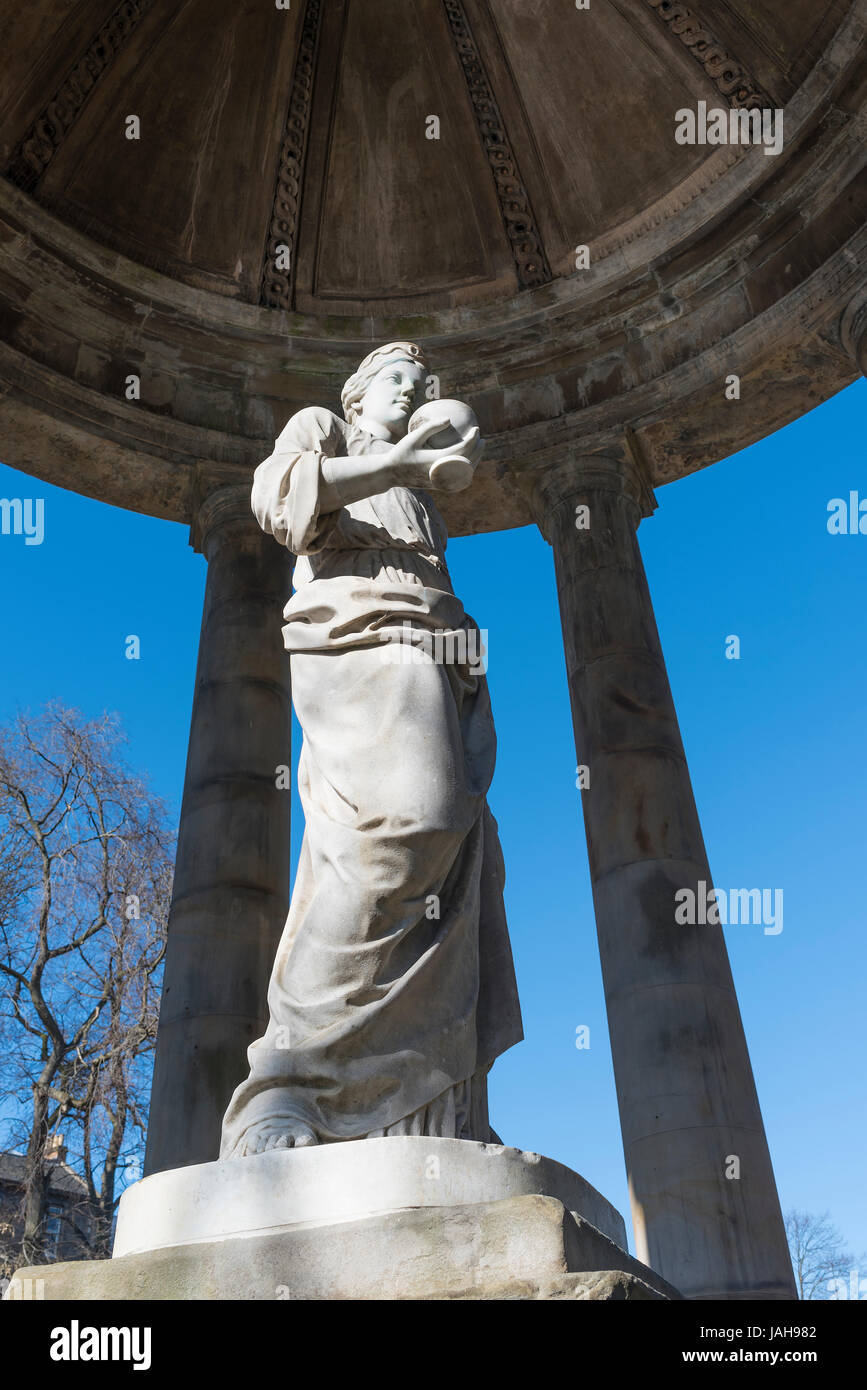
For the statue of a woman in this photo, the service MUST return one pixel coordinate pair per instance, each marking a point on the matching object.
(393, 990)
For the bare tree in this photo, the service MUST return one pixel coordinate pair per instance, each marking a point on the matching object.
(818, 1255)
(84, 894)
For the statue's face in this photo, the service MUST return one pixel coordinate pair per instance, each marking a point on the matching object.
(390, 398)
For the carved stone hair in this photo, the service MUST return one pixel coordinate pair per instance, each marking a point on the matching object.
(356, 387)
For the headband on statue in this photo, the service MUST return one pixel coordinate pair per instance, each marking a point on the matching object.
(356, 387)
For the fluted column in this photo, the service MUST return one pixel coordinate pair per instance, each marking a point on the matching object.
(231, 887)
(688, 1104)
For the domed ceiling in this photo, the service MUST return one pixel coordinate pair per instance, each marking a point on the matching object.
(353, 169)
(308, 126)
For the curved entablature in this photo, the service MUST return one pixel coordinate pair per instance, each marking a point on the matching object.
(159, 258)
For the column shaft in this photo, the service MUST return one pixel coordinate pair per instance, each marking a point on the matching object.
(688, 1103)
(231, 887)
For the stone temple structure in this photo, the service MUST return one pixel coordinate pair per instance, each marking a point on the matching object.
(209, 213)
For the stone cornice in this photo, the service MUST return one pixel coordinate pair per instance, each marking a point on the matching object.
(853, 328)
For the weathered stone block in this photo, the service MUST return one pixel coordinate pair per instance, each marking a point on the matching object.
(523, 1247)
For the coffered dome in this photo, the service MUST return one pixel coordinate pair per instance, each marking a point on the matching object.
(302, 181)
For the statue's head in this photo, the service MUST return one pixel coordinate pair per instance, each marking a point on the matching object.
(382, 394)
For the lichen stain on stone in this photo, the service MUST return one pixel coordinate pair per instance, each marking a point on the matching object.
(624, 701)
(642, 838)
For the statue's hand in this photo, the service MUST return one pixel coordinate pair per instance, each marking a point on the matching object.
(412, 462)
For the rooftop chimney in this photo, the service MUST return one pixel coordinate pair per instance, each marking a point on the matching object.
(55, 1149)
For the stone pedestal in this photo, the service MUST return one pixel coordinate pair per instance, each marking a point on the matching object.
(393, 1218)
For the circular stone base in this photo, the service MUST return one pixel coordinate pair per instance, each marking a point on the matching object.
(342, 1182)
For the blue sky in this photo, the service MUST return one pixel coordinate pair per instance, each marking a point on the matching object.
(776, 742)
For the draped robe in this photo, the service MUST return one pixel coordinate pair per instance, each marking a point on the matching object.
(393, 988)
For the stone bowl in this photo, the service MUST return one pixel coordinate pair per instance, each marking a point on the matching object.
(454, 472)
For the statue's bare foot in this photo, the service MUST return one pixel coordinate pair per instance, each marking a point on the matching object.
(276, 1134)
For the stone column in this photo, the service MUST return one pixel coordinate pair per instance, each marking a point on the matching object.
(688, 1105)
(231, 888)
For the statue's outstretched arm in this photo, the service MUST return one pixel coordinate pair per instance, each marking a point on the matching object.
(404, 464)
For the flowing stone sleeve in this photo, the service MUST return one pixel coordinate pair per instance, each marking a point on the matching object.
(285, 496)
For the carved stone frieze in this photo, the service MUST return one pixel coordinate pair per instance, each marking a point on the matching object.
(278, 268)
(531, 261)
(38, 147)
(730, 76)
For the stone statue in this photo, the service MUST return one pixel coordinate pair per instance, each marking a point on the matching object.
(393, 990)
